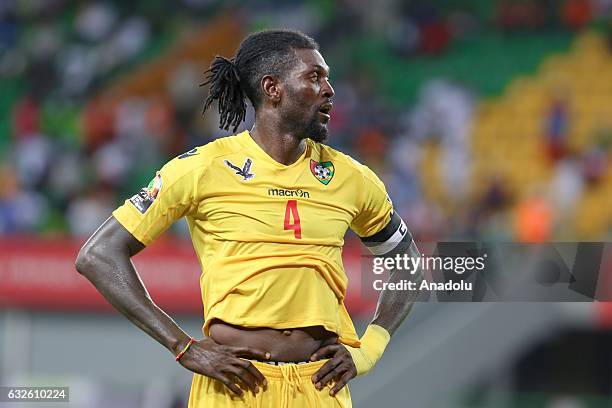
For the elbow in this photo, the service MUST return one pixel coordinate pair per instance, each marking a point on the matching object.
(83, 261)
(86, 260)
(107, 246)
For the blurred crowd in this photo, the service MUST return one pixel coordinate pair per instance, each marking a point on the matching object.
(69, 157)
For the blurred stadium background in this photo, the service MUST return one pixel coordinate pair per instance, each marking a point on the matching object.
(488, 120)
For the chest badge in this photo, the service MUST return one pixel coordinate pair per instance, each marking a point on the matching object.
(244, 172)
(323, 171)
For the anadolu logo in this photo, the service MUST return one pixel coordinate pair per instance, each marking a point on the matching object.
(323, 171)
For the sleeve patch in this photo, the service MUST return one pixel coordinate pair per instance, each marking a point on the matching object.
(145, 197)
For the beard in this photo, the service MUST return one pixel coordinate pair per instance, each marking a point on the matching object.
(301, 125)
(316, 130)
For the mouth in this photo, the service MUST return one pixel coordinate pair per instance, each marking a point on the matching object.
(325, 110)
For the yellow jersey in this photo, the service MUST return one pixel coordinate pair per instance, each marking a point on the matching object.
(268, 236)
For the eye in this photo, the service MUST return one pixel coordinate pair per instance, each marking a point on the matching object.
(315, 77)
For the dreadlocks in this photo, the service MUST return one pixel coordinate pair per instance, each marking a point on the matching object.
(264, 53)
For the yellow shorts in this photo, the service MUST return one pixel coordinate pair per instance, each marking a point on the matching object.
(289, 386)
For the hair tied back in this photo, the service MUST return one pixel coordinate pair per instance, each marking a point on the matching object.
(225, 87)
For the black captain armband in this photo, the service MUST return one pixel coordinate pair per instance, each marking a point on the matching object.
(393, 239)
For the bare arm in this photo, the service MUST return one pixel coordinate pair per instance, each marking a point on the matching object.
(392, 308)
(105, 261)
(394, 305)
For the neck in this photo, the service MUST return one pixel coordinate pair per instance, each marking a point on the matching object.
(282, 145)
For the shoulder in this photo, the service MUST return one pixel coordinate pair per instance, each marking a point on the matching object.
(338, 158)
(199, 158)
(224, 146)
(217, 148)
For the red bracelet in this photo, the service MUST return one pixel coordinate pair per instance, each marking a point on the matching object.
(179, 355)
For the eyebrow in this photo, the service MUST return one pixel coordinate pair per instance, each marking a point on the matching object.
(324, 68)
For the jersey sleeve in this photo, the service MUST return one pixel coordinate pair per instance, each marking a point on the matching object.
(380, 228)
(171, 195)
(374, 206)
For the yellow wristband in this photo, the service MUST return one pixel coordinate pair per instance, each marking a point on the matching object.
(179, 355)
(373, 344)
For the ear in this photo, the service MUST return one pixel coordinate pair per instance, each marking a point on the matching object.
(272, 88)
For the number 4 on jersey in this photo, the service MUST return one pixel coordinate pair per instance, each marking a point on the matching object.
(291, 211)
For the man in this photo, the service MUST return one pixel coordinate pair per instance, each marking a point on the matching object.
(267, 211)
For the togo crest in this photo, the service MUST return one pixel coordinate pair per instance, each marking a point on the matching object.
(323, 171)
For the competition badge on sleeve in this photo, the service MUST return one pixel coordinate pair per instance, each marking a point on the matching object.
(323, 171)
(145, 197)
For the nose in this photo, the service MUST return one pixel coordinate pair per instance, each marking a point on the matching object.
(327, 90)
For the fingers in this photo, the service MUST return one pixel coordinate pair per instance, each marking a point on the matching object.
(249, 352)
(322, 373)
(259, 377)
(323, 352)
(237, 371)
(339, 368)
(331, 375)
(244, 376)
(224, 363)
(229, 384)
(342, 382)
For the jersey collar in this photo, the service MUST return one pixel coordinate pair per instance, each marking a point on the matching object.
(256, 150)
